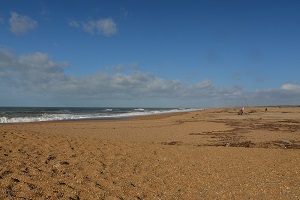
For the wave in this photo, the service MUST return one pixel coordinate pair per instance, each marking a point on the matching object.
(139, 109)
(107, 114)
(49, 117)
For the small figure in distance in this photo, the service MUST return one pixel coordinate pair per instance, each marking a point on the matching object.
(266, 109)
(242, 111)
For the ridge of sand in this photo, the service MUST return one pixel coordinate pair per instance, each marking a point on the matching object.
(210, 154)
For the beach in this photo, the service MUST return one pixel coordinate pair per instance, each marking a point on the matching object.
(205, 154)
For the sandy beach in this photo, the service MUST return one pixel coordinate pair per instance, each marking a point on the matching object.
(209, 154)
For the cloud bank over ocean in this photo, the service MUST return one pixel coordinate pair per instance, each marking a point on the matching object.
(41, 77)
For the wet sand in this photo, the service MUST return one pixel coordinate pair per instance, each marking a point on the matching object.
(210, 154)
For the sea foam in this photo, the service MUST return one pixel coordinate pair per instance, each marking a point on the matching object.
(58, 114)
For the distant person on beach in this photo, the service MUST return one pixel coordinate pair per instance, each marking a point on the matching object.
(242, 111)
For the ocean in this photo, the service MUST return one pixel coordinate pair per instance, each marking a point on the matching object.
(39, 114)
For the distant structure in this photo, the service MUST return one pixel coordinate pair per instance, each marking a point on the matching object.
(246, 102)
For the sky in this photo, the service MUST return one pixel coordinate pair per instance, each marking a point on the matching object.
(149, 53)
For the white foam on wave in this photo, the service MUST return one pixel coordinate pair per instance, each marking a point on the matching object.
(139, 109)
(43, 118)
(61, 117)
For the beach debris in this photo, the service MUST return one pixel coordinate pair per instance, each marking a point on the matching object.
(246, 144)
(15, 180)
(282, 144)
(173, 143)
(61, 183)
(285, 144)
(31, 186)
(24, 170)
(64, 163)
(76, 197)
(56, 165)
(286, 141)
(50, 157)
(61, 163)
(6, 172)
(9, 191)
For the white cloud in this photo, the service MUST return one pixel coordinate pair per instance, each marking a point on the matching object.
(292, 87)
(21, 24)
(31, 72)
(105, 27)
(74, 24)
(287, 94)
(38, 75)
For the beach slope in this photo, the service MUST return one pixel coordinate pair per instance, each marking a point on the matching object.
(209, 154)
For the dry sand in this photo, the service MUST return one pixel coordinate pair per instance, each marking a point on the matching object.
(211, 154)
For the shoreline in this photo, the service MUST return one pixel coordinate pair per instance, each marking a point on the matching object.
(28, 115)
(212, 153)
(150, 116)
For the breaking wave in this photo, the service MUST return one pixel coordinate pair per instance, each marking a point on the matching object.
(58, 114)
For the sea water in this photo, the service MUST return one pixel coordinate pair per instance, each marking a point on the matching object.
(38, 114)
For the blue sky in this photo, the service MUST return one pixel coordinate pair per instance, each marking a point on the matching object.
(122, 53)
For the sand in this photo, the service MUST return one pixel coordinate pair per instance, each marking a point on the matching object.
(210, 154)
